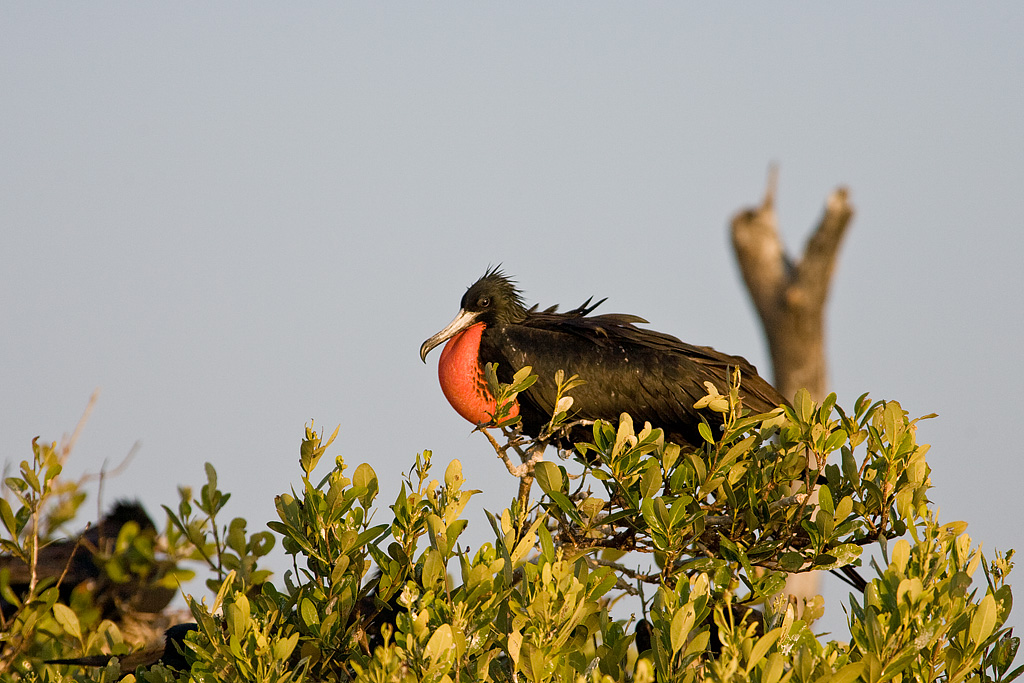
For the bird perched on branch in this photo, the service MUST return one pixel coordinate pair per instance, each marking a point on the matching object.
(651, 375)
(79, 560)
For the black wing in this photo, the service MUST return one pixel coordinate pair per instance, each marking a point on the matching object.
(653, 376)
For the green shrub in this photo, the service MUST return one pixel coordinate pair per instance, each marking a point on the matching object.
(398, 599)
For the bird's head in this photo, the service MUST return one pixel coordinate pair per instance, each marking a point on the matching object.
(494, 299)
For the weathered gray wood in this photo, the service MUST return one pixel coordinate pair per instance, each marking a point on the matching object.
(790, 296)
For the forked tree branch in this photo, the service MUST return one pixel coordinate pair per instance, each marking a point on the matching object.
(790, 295)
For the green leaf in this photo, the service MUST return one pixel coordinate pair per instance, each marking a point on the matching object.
(515, 642)
(738, 450)
(843, 509)
(835, 440)
(828, 404)
(901, 555)
(364, 477)
(901, 661)
(52, 472)
(440, 642)
(773, 668)
(845, 553)
(5, 588)
(910, 590)
(624, 433)
(310, 616)
(211, 475)
(547, 544)
(732, 551)
(825, 499)
(1013, 675)
(284, 647)
(850, 467)
(803, 405)
(523, 380)
(705, 431)
(650, 480)
(621, 514)
(238, 616)
(372, 534)
(699, 643)
(670, 455)
(31, 479)
(791, 561)
(1005, 652)
(433, 568)
(68, 620)
(770, 583)
(760, 649)
(892, 420)
(7, 515)
(437, 532)
(590, 507)
(549, 476)
(682, 620)
(453, 475)
(526, 543)
(848, 673)
(984, 620)
(566, 506)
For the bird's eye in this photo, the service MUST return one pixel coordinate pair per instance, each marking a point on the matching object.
(484, 301)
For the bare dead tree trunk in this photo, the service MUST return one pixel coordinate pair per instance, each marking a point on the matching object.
(790, 298)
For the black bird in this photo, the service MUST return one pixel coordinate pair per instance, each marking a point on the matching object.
(653, 376)
(78, 560)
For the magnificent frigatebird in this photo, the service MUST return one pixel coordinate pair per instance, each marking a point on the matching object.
(651, 375)
(80, 559)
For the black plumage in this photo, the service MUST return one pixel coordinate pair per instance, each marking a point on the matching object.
(653, 376)
(78, 560)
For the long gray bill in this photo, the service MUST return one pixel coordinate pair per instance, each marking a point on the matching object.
(463, 320)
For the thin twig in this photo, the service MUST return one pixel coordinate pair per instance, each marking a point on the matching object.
(69, 442)
(624, 570)
(71, 557)
(104, 473)
(788, 501)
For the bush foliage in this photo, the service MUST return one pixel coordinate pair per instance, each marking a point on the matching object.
(701, 536)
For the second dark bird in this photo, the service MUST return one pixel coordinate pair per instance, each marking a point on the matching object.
(653, 376)
(80, 560)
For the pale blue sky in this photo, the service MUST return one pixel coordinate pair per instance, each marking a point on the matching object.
(233, 218)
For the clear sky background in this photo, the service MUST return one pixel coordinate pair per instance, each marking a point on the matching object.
(233, 218)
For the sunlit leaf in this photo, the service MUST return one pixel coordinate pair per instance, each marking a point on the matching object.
(68, 620)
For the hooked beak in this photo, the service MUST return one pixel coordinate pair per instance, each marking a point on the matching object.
(463, 320)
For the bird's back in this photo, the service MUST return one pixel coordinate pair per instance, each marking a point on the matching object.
(653, 376)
